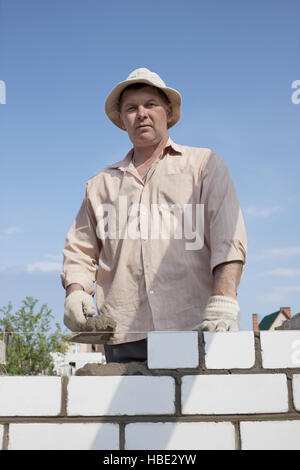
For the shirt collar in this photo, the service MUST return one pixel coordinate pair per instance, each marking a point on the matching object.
(176, 147)
(123, 164)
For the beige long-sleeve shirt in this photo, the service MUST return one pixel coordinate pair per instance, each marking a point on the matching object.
(151, 245)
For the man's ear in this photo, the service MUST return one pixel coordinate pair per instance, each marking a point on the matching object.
(169, 110)
(121, 121)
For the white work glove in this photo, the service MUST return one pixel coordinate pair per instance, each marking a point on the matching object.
(220, 314)
(78, 306)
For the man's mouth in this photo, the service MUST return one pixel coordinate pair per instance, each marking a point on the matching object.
(143, 125)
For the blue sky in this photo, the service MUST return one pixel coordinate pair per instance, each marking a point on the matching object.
(233, 62)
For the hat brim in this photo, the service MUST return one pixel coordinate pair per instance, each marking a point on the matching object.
(112, 101)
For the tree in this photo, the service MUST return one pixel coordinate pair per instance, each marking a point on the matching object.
(29, 339)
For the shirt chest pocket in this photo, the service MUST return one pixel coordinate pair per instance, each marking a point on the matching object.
(175, 188)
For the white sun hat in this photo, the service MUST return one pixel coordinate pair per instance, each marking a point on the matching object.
(142, 75)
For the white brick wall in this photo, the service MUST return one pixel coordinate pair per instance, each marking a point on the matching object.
(229, 350)
(66, 436)
(270, 435)
(30, 396)
(180, 436)
(280, 349)
(171, 409)
(234, 394)
(127, 395)
(172, 349)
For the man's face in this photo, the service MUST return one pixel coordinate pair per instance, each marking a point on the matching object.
(145, 116)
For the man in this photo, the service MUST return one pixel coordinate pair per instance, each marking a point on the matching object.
(146, 280)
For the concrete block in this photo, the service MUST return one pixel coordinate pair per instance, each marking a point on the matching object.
(179, 436)
(229, 350)
(234, 394)
(280, 349)
(296, 391)
(270, 435)
(30, 396)
(172, 349)
(120, 395)
(65, 436)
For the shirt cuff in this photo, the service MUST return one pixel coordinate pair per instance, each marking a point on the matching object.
(233, 254)
(78, 278)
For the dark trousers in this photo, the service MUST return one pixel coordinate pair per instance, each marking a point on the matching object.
(126, 352)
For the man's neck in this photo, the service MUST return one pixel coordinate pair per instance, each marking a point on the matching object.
(146, 155)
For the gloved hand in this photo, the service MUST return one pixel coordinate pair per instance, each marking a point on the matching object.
(78, 306)
(220, 314)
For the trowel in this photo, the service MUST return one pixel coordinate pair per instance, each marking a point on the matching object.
(97, 330)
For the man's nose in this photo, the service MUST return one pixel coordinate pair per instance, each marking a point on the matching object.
(141, 112)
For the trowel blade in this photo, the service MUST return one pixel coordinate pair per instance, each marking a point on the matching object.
(87, 338)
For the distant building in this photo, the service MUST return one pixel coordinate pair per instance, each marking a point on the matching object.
(292, 324)
(273, 321)
(76, 356)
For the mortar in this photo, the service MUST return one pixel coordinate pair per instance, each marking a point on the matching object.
(97, 330)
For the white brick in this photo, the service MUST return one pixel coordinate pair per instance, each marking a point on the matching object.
(234, 394)
(1, 435)
(180, 436)
(270, 435)
(117, 395)
(172, 349)
(296, 391)
(65, 436)
(229, 350)
(30, 396)
(280, 349)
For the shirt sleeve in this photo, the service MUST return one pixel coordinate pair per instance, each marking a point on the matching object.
(81, 250)
(224, 226)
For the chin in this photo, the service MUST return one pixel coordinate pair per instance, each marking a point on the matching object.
(145, 138)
